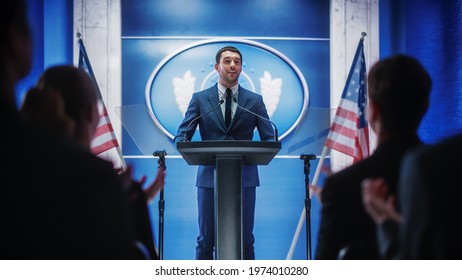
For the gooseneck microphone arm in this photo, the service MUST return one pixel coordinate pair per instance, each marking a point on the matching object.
(198, 117)
(276, 139)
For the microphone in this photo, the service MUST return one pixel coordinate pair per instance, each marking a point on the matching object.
(196, 118)
(276, 139)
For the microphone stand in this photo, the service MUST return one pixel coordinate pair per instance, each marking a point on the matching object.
(306, 160)
(275, 137)
(161, 204)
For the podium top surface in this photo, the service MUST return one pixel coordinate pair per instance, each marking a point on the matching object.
(205, 152)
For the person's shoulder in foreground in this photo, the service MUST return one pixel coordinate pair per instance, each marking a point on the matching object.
(429, 203)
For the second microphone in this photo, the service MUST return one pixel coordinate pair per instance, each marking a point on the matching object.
(276, 137)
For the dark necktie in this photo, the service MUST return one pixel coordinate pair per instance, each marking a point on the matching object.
(228, 107)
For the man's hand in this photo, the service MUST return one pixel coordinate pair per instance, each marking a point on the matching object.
(156, 186)
(317, 191)
(376, 201)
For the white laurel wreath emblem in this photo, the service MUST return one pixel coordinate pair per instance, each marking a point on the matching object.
(183, 89)
(270, 90)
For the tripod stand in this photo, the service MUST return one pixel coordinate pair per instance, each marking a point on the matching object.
(161, 205)
(306, 168)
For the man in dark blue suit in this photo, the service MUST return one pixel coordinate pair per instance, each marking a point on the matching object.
(226, 123)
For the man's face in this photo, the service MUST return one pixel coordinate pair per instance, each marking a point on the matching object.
(229, 68)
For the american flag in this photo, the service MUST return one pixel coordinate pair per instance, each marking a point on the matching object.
(349, 132)
(104, 138)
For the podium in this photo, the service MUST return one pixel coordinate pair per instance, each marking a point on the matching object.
(228, 156)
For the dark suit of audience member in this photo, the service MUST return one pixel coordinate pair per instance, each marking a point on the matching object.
(212, 127)
(58, 201)
(398, 91)
(430, 202)
(426, 226)
(429, 205)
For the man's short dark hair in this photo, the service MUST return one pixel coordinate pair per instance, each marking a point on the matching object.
(227, 48)
(400, 86)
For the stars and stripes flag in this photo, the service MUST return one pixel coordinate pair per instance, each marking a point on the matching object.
(349, 131)
(105, 137)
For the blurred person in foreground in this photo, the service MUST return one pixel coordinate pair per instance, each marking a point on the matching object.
(424, 223)
(58, 201)
(65, 104)
(398, 92)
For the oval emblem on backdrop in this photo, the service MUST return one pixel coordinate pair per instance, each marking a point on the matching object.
(265, 71)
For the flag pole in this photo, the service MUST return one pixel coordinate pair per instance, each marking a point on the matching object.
(92, 75)
(321, 160)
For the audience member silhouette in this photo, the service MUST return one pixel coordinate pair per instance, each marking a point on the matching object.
(430, 202)
(58, 201)
(64, 100)
(47, 111)
(425, 226)
(398, 91)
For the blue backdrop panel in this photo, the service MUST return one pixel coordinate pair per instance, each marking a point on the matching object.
(254, 18)
(430, 31)
(439, 30)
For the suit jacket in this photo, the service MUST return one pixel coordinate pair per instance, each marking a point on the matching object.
(212, 127)
(344, 222)
(431, 202)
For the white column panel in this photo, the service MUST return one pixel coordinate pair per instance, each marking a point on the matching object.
(348, 18)
(99, 22)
